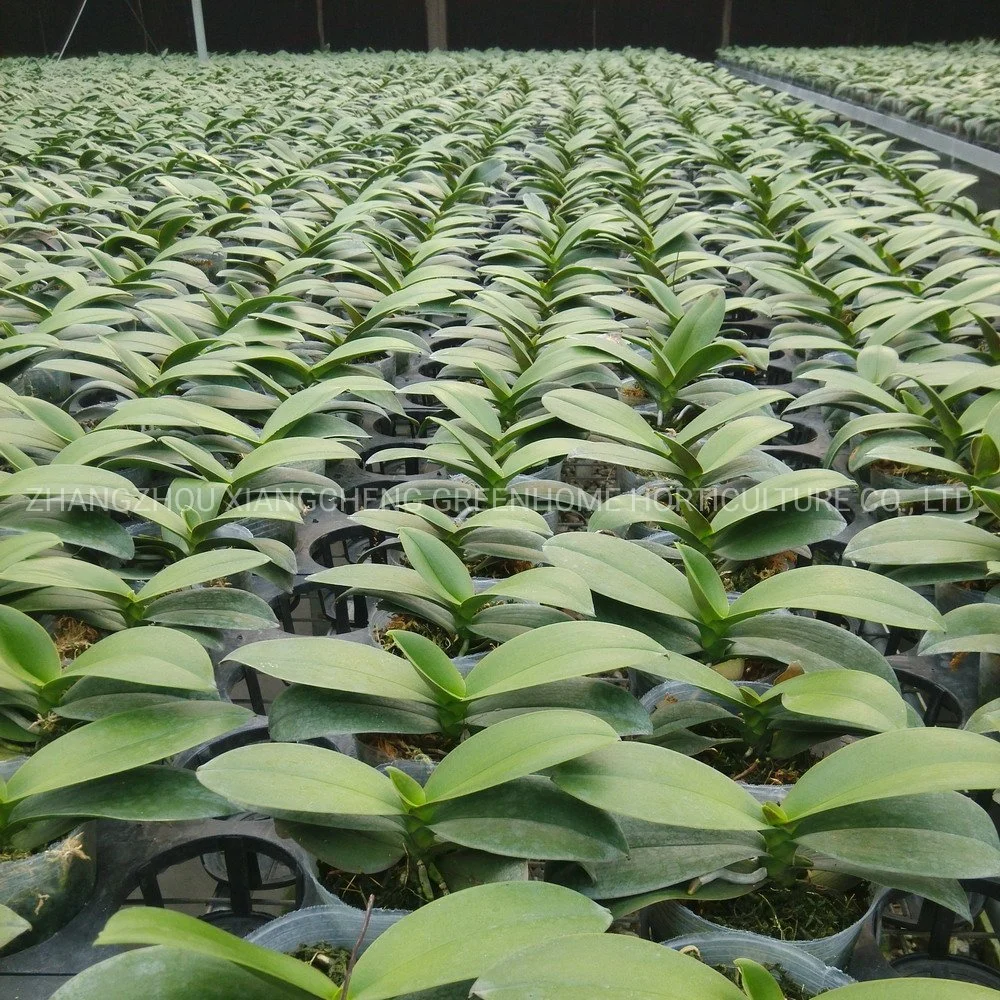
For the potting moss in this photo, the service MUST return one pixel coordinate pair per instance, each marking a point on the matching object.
(800, 912)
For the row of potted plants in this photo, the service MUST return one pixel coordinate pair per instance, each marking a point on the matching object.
(613, 292)
(948, 86)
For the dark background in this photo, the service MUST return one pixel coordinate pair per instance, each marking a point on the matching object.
(37, 27)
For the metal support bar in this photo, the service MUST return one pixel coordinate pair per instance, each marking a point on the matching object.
(727, 24)
(199, 31)
(76, 21)
(437, 24)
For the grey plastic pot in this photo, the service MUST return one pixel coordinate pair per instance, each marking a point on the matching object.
(50, 887)
(339, 926)
(989, 677)
(807, 972)
(670, 920)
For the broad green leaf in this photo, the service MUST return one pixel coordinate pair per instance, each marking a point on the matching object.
(921, 541)
(72, 574)
(601, 415)
(307, 713)
(624, 572)
(148, 925)
(170, 411)
(555, 652)
(943, 833)
(158, 657)
(19, 548)
(176, 974)
(843, 590)
(777, 492)
(529, 818)
(211, 608)
(142, 795)
(508, 916)
(902, 762)
(28, 657)
(974, 628)
(214, 565)
(431, 663)
(303, 782)
(79, 484)
(286, 452)
(550, 585)
(12, 925)
(612, 966)
(514, 748)
(122, 742)
(858, 699)
(336, 665)
(660, 786)
(437, 565)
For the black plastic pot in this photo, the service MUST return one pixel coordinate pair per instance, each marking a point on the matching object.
(920, 918)
(137, 862)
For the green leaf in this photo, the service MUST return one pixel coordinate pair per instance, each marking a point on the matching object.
(11, 925)
(612, 967)
(853, 697)
(550, 585)
(147, 925)
(28, 657)
(555, 652)
(286, 452)
(777, 492)
(508, 916)
(922, 540)
(902, 762)
(974, 628)
(529, 818)
(213, 608)
(79, 484)
(170, 411)
(840, 590)
(359, 851)
(121, 742)
(757, 982)
(660, 786)
(176, 974)
(142, 795)
(336, 665)
(19, 548)
(149, 655)
(943, 833)
(624, 572)
(737, 438)
(73, 574)
(437, 565)
(304, 783)
(515, 748)
(214, 565)
(705, 583)
(306, 713)
(602, 415)
(431, 663)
